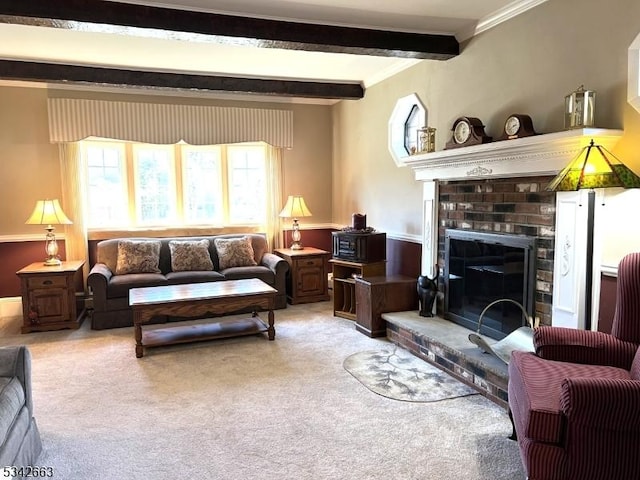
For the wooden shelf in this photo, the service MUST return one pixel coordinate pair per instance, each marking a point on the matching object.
(344, 284)
(544, 154)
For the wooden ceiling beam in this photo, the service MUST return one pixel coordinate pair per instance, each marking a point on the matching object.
(73, 74)
(250, 31)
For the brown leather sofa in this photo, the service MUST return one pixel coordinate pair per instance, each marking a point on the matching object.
(111, 292)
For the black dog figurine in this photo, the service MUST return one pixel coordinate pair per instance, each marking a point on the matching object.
(427, 293)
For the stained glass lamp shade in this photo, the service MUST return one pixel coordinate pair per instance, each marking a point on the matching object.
(593, 167)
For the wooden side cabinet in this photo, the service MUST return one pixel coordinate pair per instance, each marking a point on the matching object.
(49, 296)
(307, 277)
(344, 283)
(382, 294)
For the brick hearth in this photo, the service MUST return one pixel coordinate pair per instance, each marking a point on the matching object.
(446, 345)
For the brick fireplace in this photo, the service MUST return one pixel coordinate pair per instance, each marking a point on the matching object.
(519, 206)
(500, 187)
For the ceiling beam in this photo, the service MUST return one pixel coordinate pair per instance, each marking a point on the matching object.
(244, 30)
(57, 73)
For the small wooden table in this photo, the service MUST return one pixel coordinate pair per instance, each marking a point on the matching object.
(49, 296)
(307, 277)
(382, 294)
(199, 299)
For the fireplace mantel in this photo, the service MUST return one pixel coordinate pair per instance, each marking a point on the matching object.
(544, 154)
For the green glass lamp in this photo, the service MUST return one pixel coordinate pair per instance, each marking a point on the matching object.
(594, 167)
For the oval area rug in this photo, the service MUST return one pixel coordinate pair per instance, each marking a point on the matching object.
(400, 375)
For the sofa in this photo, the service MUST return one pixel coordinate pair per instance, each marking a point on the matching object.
(123, 264)
(20, 443)
(575, 402)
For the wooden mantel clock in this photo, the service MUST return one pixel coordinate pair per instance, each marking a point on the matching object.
(467, 131)
(517, 125)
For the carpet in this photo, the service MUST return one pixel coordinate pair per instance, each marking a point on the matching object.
(397, 374)
(248, 408)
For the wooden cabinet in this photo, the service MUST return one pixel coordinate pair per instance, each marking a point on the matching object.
(49, 296)
(307, 277)
(344, 292)
(382, 294)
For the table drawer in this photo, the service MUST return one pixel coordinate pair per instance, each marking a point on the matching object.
(310, 262)
(46, 282)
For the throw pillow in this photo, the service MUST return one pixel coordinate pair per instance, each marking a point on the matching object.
(190, 255)
(138, 256)
(234, 252)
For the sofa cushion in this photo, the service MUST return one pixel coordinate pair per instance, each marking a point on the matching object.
(11, 402)
(536, 386)
(190, 255)
(119, 285)
(635, 366)
(235, 252)
(178, 278)
(258, 271)
(135, 256)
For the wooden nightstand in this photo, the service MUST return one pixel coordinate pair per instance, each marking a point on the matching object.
(307, 277)
(49, 296)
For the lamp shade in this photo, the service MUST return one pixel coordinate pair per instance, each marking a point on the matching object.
(48, 212)
(295, 208)
(594, 167)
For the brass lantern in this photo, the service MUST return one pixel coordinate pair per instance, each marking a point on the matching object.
(579, 108)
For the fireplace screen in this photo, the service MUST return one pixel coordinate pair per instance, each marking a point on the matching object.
(482, 267)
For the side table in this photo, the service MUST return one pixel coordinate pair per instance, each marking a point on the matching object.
(344, 275)
(49, 296)
(383, 294)
(308, 271)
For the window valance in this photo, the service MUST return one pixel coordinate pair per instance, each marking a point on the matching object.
(71, 120)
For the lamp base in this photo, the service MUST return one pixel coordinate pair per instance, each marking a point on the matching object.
(52, 262)
(297, 246)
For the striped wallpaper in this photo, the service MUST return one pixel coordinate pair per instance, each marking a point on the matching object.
(71, 120)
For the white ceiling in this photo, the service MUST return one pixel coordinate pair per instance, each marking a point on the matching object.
(197, 54)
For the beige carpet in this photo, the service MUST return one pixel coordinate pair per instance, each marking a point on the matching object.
(396, 373)
(248, 408)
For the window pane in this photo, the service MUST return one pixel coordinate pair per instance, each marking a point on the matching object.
(155, 185)
(106, 185)
(247, 184)
(202, 185)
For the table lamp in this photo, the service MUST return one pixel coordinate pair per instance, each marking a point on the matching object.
(295, 208)
(49, 213)
(593, 167)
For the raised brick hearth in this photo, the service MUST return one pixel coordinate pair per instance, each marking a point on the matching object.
(446, 345)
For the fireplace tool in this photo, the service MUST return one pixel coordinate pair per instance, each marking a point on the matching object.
(519, 339)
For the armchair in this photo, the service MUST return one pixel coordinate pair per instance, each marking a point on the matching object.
(20, 443)
(575, 402)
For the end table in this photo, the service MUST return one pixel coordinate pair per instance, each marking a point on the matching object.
(307, 280)
(382, 294)
(49, 296)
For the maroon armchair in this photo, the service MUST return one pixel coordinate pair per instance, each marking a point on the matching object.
(575, 402)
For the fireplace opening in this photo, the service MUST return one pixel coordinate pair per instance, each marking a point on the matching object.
(481, 267)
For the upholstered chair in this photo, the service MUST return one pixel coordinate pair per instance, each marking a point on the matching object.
(575, 402)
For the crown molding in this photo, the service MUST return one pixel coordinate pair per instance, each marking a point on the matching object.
(499, 16)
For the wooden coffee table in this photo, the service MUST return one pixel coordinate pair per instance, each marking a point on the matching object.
(197, 300)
